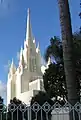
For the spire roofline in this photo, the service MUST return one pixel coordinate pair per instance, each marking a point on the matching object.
(28, 11)
(29, 36)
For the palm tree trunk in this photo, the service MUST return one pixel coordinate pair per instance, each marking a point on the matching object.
(69, 63)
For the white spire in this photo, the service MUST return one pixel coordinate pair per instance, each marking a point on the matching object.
(38, 48)
(21, 52)
(29, 30)
(13, 67)
(12, 63)
(21, 57)
(34, 41)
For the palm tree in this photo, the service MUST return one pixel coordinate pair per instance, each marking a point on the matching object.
(67, 50)
(68, 55)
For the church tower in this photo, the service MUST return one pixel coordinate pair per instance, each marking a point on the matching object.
(21, 80)
(31, 53)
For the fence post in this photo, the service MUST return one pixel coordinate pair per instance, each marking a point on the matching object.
(28, 113)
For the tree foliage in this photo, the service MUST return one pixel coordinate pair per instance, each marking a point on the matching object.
(40, 99)
(1, 104)
(54, 82)
(14, 107)
(2, 109)
(80, 15)
(57, 68)
(54, 50)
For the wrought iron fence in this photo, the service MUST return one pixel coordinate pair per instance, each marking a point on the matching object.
(44, 112)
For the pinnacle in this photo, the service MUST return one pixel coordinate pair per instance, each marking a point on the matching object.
(28, 10)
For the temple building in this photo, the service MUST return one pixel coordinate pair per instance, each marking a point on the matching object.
(26, 80)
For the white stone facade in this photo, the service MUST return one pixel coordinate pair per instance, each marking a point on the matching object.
(25, 80)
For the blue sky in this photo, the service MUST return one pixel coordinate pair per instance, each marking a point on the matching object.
(45, 24)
